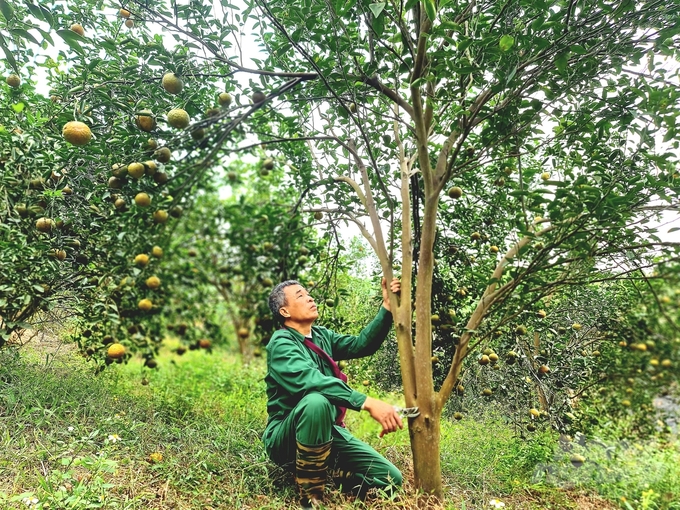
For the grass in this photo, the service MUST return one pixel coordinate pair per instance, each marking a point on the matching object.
(190, 439)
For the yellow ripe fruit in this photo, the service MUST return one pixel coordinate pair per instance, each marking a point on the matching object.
(243, 332)
(44, 224)
(475, 236)
(151, 144)
(150, 167)
(145, 120)
(224, 99)
(535, 412)
(493, 249)
(78, 29)
(76, 133)
(172, 83)
(576, 326)
(625, 403)
(178, 118)
(157, 252)
(163, 155)
(124, 13)
(493, 357)
(155, 457)
(542, 314)
(144, 304)
(13, 80)
(136, 170)
(160, 216)
(666, 363)
(142, 199)
(142, 259)
(129, 23)
(115, 351)
(545, 176)
(153, 282)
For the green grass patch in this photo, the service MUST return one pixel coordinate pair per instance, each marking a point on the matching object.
(187, 435)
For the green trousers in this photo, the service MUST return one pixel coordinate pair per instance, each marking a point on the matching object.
(354, 466)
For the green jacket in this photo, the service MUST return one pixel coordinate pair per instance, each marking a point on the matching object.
(293, 370)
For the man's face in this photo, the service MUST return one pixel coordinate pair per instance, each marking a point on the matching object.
(300, 306)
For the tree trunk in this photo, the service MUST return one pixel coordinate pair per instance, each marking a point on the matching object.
(425, 434)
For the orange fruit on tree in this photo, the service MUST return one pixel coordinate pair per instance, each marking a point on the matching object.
(142, 199)
(157, 252)
(160, 216)
(124, 13)
(13, 80)
(243, 332)
(172, 83)
(76, 133)
(142, 259)
(136, 170)
(145, 304)
(78, 29)
(151, 167)
(115, 351)
(224, 99)
(163, 155)
(145, 120)
(178, 118)
(44, 224)
(153, 282)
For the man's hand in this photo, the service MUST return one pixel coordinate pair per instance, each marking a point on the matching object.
(395, 287)
(385, 414)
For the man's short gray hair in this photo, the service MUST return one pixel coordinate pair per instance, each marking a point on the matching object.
(277, 299)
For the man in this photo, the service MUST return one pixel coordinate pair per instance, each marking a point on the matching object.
(307, 395)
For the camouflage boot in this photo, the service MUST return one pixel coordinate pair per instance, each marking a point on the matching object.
(310, 472)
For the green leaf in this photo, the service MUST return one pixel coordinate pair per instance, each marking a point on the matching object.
(20, 32)
(72, 39)
(562, 61)
(430, 9)
(7, 10)
(8, 54)
(409, 5)
(506, 42)
(377, 8)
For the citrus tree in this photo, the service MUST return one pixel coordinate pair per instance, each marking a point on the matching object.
(411, 121)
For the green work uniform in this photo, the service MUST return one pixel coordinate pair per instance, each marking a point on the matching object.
(303, 396)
